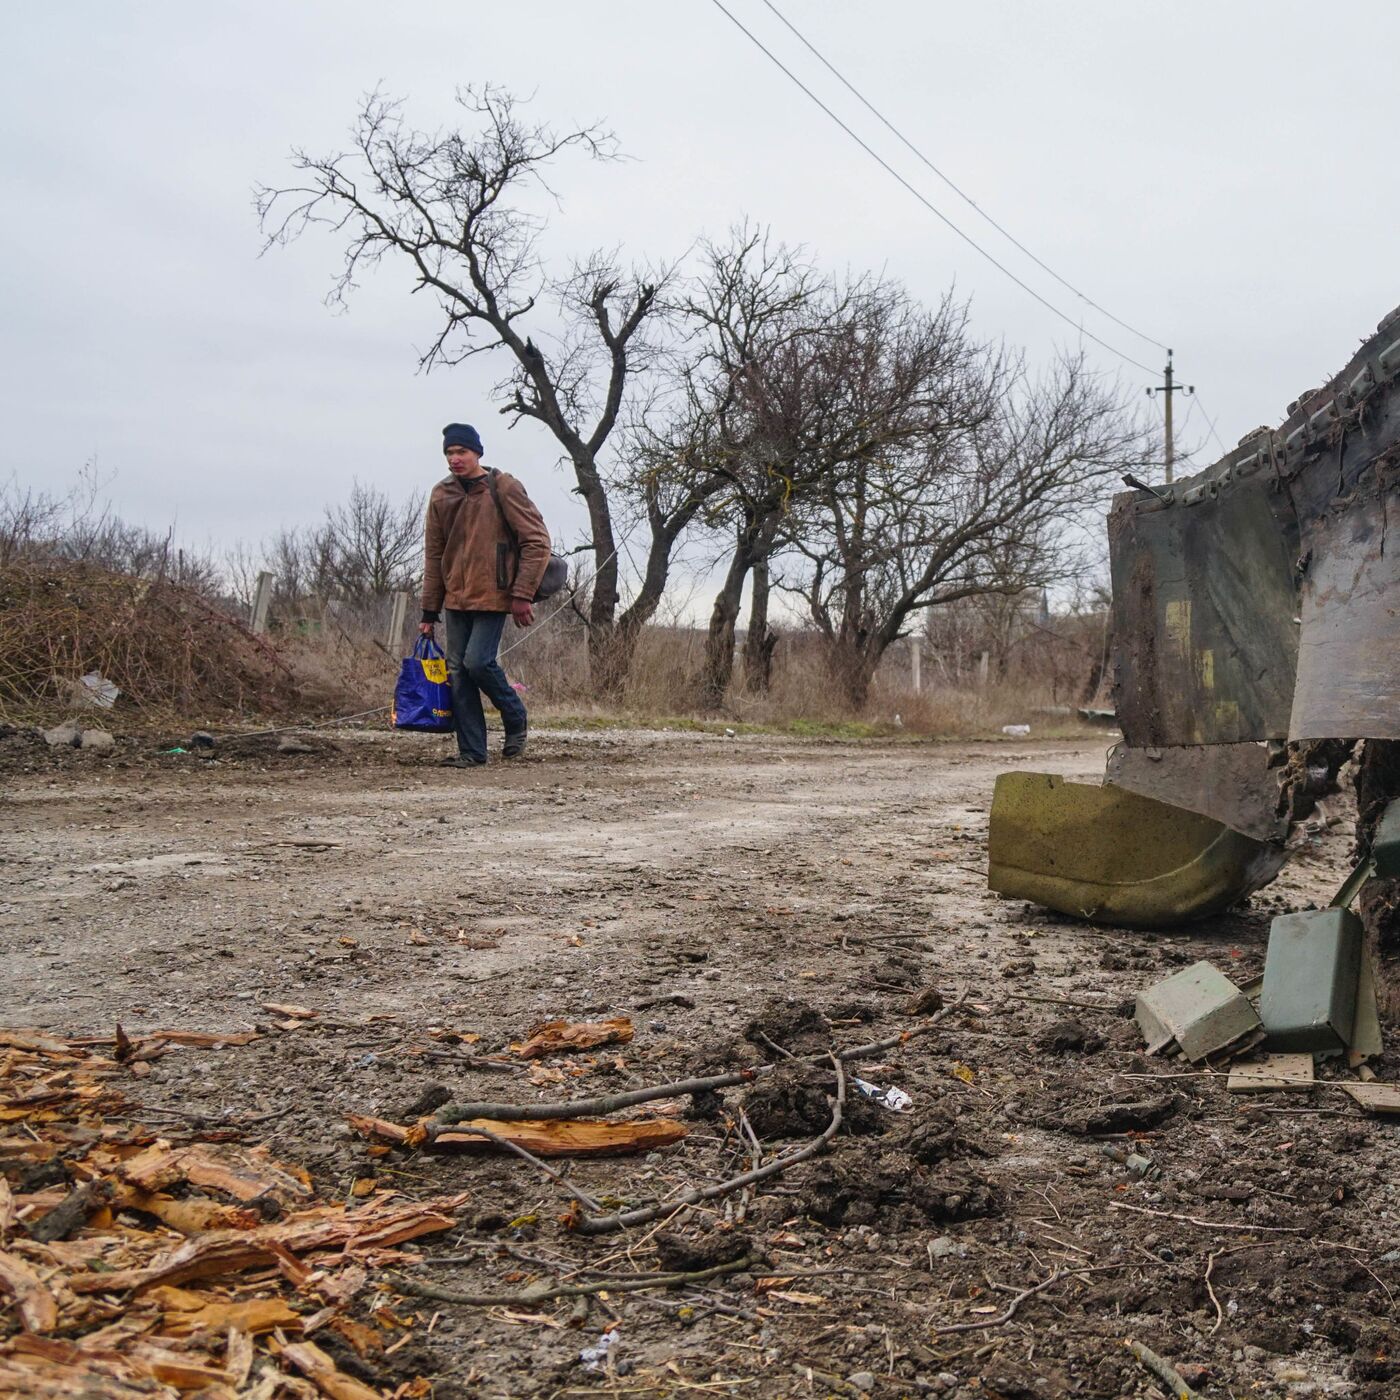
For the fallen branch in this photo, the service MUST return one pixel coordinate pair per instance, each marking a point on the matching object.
(1004, 1317)
(1062, 1001)
(551, 1137)
(452, 1113)
(613, 1103)
(582, 1197)
(1163, 1370)
(644, 1215)
(1211, 1224)
(533, 1296)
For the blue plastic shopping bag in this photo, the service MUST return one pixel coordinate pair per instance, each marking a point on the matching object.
(422, 698)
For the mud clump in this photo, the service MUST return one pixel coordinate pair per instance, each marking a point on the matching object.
(861, 1011)
(1071, 1104)
(890, 1188)
(795, 1101)
(1069, 1037)
(794, 1025)
(935, 1138)
(926, 1003)
(687, 1254)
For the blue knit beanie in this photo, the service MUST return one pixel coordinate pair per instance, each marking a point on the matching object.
(461, 435)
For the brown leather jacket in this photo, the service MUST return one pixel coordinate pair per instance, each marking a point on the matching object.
(469, 563)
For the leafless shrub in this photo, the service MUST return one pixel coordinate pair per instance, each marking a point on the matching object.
(165, 645)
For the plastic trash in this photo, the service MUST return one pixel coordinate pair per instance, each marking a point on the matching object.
(1016, 731)
(594, 1358)
(98, 690)
(896, 1100)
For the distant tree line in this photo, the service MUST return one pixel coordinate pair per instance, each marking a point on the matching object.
(828, 437)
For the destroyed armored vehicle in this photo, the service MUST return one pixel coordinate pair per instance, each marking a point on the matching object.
(1255, 641)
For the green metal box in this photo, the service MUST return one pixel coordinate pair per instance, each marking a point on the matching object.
(1311, 971)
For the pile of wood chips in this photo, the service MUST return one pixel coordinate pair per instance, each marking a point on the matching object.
(132, 1267)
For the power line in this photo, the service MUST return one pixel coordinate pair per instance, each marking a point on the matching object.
(962, 194)
(933, 209)
(1210, 423)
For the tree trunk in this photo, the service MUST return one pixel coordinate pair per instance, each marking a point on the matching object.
(851, 669)
(611, 652)
(761, 640)
(719, 645)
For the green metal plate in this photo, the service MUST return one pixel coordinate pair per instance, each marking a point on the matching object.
(1110, 856)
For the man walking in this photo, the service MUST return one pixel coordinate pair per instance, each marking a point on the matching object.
(485, 550)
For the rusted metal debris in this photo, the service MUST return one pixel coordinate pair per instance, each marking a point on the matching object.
(1257, 600)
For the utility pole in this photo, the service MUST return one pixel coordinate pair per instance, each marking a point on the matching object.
(1170, 388)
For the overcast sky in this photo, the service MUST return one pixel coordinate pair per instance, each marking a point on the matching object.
(1220, 176)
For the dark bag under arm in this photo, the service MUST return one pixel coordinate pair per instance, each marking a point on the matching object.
(556, 573)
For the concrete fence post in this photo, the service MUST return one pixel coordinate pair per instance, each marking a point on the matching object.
(395, 638)
(262, 599)
(916, 663)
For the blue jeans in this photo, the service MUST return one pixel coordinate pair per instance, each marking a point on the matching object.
(473, 638)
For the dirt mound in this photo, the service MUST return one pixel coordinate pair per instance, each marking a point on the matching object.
(793, 1025)
(164, 646)
(1072, 1103)
(1069, 1036)
(936, 1138)
(795, 1101)
(690, 1253)
(889, 1187)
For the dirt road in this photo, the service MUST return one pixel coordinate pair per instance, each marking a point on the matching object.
(704, 887)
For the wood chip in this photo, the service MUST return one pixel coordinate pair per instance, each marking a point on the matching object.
(185, 1371)
(297, 1013)
(192, 1215)
(545, 1137)
(254, 1317)
(243, 1173)
(38, 1308)
(554, 1036)
(238, 1356)
(1376, 1097)
(323, 1373)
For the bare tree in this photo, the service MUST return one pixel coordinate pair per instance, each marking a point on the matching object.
(763, 365)
(370, 546)
(451, 206)
(28, 519)
(978, 504)
(81, 527)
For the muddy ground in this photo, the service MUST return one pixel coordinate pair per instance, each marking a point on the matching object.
(704, 887)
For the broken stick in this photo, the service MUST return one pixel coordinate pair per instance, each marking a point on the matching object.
(644, 1215)
(590, 1108)
(1163, 1370)
(613, 1103)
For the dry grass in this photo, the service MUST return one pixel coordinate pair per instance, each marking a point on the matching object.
(169, 649)
(802, 698)
(177, 656)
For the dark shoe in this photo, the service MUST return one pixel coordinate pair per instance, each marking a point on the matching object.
(461, 760)
(515, 743)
